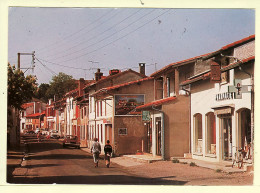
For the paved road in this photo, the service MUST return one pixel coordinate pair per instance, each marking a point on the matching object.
(49, 163)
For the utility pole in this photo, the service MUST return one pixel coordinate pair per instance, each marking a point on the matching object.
(19, 60)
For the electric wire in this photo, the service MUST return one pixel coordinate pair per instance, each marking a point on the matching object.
(57, 42)
(117, 39)
(96, 35)
(76, 68)
(106, 36)
(54, 73)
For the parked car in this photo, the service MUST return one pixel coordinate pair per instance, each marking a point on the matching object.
(30, 132)
(45, 131)
(55, 134)
(38, 130)
(72, 141)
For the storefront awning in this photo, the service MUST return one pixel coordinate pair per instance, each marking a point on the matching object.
(225, 109)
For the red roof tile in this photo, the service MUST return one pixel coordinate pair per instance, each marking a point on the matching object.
(26, 105)
(35, 115)
(156, 103)
(208, 74)
(201, 77)
(115, 75)
(238, 42)
(122, 85)
(233, 65)
(179, 62)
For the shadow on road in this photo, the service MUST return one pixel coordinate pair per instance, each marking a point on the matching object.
(41, 165)
(59, 156)
(106, 179)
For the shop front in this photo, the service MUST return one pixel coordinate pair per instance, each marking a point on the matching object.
(221, 122)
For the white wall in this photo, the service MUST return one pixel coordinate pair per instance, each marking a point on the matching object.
(203, 101)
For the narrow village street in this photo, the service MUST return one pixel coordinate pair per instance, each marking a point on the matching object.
(168, 94)
(47, 162)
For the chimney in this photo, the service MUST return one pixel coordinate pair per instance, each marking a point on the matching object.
(142, 68)
(81, 86)
(114, 71)
(98, 75)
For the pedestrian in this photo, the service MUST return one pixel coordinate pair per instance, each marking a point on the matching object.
(96, 149)
(108, 151)
(39, 135)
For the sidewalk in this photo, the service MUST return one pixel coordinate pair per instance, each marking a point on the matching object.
(134, 160)
(14, 159)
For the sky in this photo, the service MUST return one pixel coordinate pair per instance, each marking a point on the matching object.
(77, 41)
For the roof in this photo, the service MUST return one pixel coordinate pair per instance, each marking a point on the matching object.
(106, 78)
(207, 75)
(122, 85)
(72, 92)
(233, 65)
(178, 63)
(155, 103)
(26, 105)
(238, 42)
(195, 79)
(35, 115)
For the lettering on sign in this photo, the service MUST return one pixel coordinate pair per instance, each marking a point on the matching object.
(225, 96)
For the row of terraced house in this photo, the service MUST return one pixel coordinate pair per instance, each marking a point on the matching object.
(202, 107)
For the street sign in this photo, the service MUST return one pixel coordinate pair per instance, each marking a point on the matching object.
(146, 115)
(238, 88)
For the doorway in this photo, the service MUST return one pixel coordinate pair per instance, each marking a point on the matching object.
(109, 133)
(149, 137)
(226, 133)
(158, 135)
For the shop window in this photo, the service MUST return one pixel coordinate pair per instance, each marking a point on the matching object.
(211, 133)
(198, 133)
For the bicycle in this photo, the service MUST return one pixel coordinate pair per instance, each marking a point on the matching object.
(238, 158)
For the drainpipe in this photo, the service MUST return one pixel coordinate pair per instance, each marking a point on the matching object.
(162, 134)
(189, 93)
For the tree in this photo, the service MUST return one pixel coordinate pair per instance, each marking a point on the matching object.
(60, 85)
(42, 92)
(21, 89)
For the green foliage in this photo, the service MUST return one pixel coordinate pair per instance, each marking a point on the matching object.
(60, 85)
(21, 89)
(41, 92)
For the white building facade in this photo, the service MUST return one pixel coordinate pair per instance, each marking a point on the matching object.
(221, 113)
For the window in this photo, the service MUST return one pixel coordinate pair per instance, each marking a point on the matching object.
(97, 104)
(101, 140)
(211, 133)
(225, 77)
(105, 108)
(90, 104)
(101, 108)
(198, 133)
(168, 86)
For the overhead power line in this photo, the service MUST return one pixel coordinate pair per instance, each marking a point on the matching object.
(93, 44)
(96, 35)
(76, 68)
(59, 42)
(98, 49)
(47, 67)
